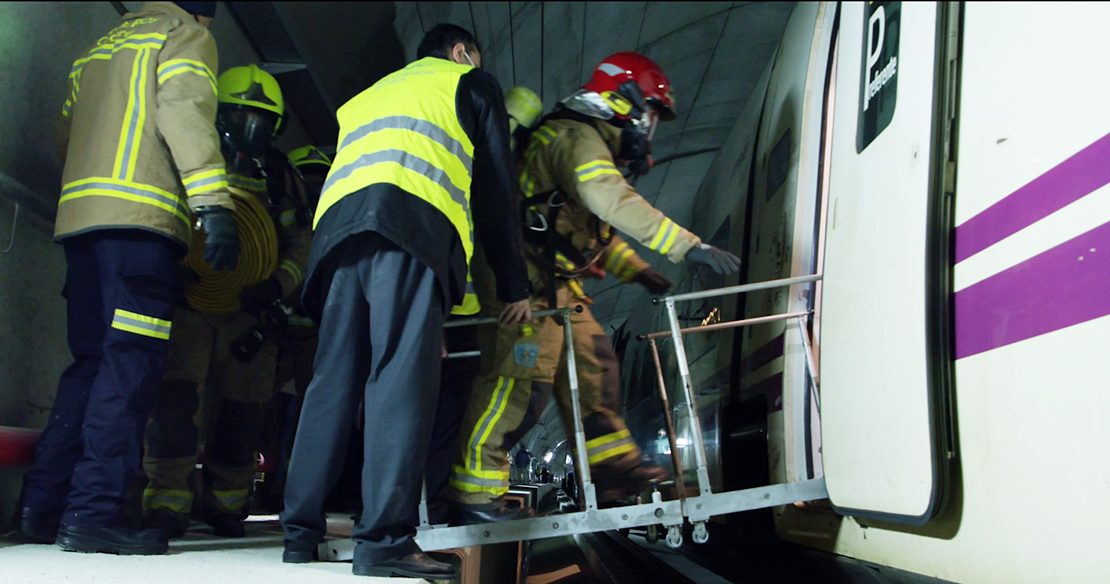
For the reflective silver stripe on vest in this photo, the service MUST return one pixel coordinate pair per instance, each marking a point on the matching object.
(423, 127)
(407, 160)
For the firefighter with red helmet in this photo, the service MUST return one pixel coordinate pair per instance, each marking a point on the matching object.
(575, 198)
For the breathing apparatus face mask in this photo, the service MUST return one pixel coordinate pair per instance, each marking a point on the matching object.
(245, 131)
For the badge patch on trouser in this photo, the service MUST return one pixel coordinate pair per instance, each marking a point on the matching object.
(525, 354)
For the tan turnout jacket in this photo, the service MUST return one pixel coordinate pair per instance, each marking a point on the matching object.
(138, 130)
(578, 160)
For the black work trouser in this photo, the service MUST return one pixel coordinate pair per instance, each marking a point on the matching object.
(379, 340)
(120, 286)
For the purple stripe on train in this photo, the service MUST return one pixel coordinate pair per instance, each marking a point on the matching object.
(1064, 286)
(1067, 182)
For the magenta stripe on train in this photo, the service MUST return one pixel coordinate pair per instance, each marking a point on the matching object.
(1064, 286)
(1067, 182)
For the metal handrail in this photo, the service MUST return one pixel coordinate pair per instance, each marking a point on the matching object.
(738, 289)
(494, 320)
(676, 333)
(705, 328)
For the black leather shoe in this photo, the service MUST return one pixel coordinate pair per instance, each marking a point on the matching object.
(296, 553)
(414, 565)
(225, 524)
(494, 512)
(38, 528)
(173, 525)
(124, 541)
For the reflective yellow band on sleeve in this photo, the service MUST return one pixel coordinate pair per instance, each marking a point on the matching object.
(205, 182)
(665, 236)
(290, 267)
(288, 218)
(545, 135)
(175, 67)
(592, 170)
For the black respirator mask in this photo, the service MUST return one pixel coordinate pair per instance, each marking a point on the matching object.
(638, 131)
(245, 131)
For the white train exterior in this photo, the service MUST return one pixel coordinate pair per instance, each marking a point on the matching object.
(945, 167)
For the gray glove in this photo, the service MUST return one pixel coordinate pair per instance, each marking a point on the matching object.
(719, 260)
(221, 250)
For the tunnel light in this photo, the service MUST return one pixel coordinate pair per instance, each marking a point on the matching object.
(681, 442)
(568, 461)
(547, 457)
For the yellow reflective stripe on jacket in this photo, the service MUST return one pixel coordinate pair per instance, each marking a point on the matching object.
(141, 324)
(405, 131)
(470, 304)
(527, 183)
(131, 133)
(482, 429)
(609, 445)
(664, 239)
(246, 183)
(545, 134)
(616, 262)
(176, 501)
(296, 320)
(592, 170)
(480, 481)
(205, 182)
(131, 191)
(150, 40)
(290, 267)
(175, 67)
(288, 218)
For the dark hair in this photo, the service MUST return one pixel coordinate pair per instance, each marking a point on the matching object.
(439, 41)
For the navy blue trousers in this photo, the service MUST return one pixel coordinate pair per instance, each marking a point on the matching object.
(120, 286)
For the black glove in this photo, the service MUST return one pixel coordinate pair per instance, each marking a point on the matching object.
(221, 251)
(261, 296)
(719, 260)
(655, 282)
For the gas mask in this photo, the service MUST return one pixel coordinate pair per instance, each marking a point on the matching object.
(245, 131)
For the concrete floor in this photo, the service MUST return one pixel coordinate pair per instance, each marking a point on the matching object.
(198, 558)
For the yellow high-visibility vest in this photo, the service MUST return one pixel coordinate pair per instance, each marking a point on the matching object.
(404, 131)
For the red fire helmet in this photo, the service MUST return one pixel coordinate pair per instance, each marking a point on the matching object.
(618, 68)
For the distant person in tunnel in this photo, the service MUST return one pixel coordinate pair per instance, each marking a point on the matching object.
(574, 196)
(390, 255)
(142, 162)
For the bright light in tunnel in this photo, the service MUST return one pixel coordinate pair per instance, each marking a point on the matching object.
(682, 442)
(547, 457)
(568, 461)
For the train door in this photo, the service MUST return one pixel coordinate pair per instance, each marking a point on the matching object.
(884, 359)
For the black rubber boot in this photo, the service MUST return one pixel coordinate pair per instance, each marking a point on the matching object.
(173, 525)
(124, 541)
(38, 528)
(628, 483)
(493, 512)
(225, 524)
(415, 565)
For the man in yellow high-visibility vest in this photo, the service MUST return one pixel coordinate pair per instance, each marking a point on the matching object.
(389, 259)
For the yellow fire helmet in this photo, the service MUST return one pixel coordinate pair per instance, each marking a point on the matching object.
(309, 154)
(524, 107)
(252, 87)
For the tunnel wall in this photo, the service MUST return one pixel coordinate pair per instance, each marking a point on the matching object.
(38, 44)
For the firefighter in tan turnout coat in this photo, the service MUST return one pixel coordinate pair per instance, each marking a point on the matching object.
(576, 197)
